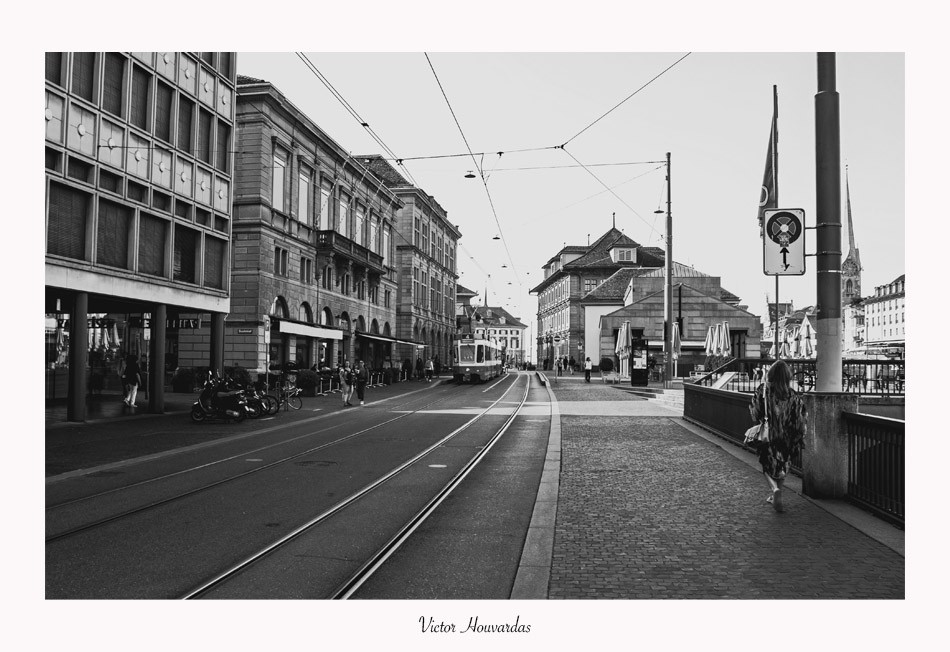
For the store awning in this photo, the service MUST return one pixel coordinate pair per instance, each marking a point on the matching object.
(294, 328)
(384, 338)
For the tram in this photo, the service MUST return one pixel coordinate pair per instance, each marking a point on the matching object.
(477, 360)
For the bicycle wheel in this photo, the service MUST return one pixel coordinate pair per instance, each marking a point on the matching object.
(270, 403)
(294, 402)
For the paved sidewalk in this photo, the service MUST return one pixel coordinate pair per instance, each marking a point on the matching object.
(651, 507)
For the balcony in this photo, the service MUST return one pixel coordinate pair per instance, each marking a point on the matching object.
(332, 243)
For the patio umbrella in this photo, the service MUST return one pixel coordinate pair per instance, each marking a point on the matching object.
(797, 346)
(784, 345)
(726, 339)
(677, 346)
(710, 341)
(717, 340)
(808, 342)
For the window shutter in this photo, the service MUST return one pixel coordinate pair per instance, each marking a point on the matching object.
(152, 238)
(66, 229)
(112, 83)
(112, 235)
(138, 115)
(214, 263)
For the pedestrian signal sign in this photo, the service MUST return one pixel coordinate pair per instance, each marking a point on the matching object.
(783, 242)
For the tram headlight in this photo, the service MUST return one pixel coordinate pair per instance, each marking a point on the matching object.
(467, 369)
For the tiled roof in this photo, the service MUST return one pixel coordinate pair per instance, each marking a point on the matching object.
(496, 313)
(244, 79)
(679, 270)
(461, 289)
(598, 254)
(613, 288)
(382, 169)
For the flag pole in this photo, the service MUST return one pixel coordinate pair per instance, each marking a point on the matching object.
(774, 149)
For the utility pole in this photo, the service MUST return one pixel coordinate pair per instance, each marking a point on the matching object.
(828, 225)
(668, 309)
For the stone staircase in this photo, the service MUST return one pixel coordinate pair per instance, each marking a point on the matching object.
(670, 397)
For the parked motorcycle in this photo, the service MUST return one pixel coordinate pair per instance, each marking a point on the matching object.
(221, 399)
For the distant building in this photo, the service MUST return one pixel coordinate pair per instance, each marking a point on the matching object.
(496, 323)
(884, 316)
(426, 248)
(569, 276)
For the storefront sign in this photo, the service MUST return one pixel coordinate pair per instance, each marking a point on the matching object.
(172, 324)
(245, 331)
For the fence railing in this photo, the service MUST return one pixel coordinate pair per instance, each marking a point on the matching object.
(868, 377)
(876, 464)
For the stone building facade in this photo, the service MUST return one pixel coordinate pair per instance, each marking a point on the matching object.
(313, 273)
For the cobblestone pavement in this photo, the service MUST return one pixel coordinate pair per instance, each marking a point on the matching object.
(648, 509)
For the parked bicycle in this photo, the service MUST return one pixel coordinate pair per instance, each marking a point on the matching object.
(285, 396)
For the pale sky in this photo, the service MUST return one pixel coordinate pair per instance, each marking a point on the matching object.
(711, 111)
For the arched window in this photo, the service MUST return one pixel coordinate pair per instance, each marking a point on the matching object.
(279, 307)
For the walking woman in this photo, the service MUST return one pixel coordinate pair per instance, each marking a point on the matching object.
(362, 377)
(776, 402)
(131, 379)
(346, 383)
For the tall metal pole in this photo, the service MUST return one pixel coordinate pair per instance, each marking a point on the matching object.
(828, 225)
(668, 310)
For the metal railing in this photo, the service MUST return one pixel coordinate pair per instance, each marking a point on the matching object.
(868, 377)
(876, 464)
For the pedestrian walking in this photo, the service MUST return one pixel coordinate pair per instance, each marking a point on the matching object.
(346, 383)
(573, 364)
(587, 368)
(779, 406)
(557, 367)
(430, 369)
(131, 379)
(362, 377)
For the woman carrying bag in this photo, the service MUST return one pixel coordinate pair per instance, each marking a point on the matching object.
(780, 412)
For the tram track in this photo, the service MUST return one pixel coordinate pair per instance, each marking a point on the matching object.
(348, 587)
(231, 478)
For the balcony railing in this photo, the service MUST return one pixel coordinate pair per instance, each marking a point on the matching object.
(331, 242)
(876, 464)
(866, 377)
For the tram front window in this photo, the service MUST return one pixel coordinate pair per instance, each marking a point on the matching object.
(481, 354)
(466, 353)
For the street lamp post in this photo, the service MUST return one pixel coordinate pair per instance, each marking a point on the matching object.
(668, 291)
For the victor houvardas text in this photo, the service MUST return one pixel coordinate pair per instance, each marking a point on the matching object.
(474, 627)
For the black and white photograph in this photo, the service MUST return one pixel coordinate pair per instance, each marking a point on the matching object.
(412, 334)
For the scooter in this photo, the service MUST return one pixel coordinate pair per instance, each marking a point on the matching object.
(220, 400)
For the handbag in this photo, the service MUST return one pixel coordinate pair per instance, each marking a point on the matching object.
(760, 431)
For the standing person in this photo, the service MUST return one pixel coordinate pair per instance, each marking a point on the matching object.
(557, 367)
(418, 368)
(573, 364)
(430, 367)
(362, 377)
(346, 383)
(131, 379)
(587, 368)
(782, 407)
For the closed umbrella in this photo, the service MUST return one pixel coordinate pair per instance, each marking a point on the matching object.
(726, 339)
(677, 346)
(717, 340)
(710, 341)
(784, 345)
(808, 342)
(797, 346)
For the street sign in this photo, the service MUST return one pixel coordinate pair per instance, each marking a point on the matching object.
(783, 244)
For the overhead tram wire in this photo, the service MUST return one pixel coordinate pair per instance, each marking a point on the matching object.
(609, 189)
(667, 69)
(480, 170)
(352, 111)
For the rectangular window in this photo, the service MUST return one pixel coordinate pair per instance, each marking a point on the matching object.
(342, 225)
(163, 112)
(280, 261)
(358, 228)
(223, 146)
(373, 236)
(138, 109)
(68, 217)
(277, 183)
(385, 251)
(388, 298)
(152, 236)
(324, 209)
(303, 197)
(112, 235)
(415, 286)
(185, 267)
(214, 262)
(224, 64)
(205, 127)
(186, 117)
(112, 83)
(54, 67)
(84, 68)
(306, 270)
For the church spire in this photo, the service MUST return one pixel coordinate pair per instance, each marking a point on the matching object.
(847, 186)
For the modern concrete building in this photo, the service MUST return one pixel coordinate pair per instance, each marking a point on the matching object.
(313, 274)
(426, 246)
(138, 180)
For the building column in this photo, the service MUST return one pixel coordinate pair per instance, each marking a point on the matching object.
(78, 358)
(156, 360)
(216, 360)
